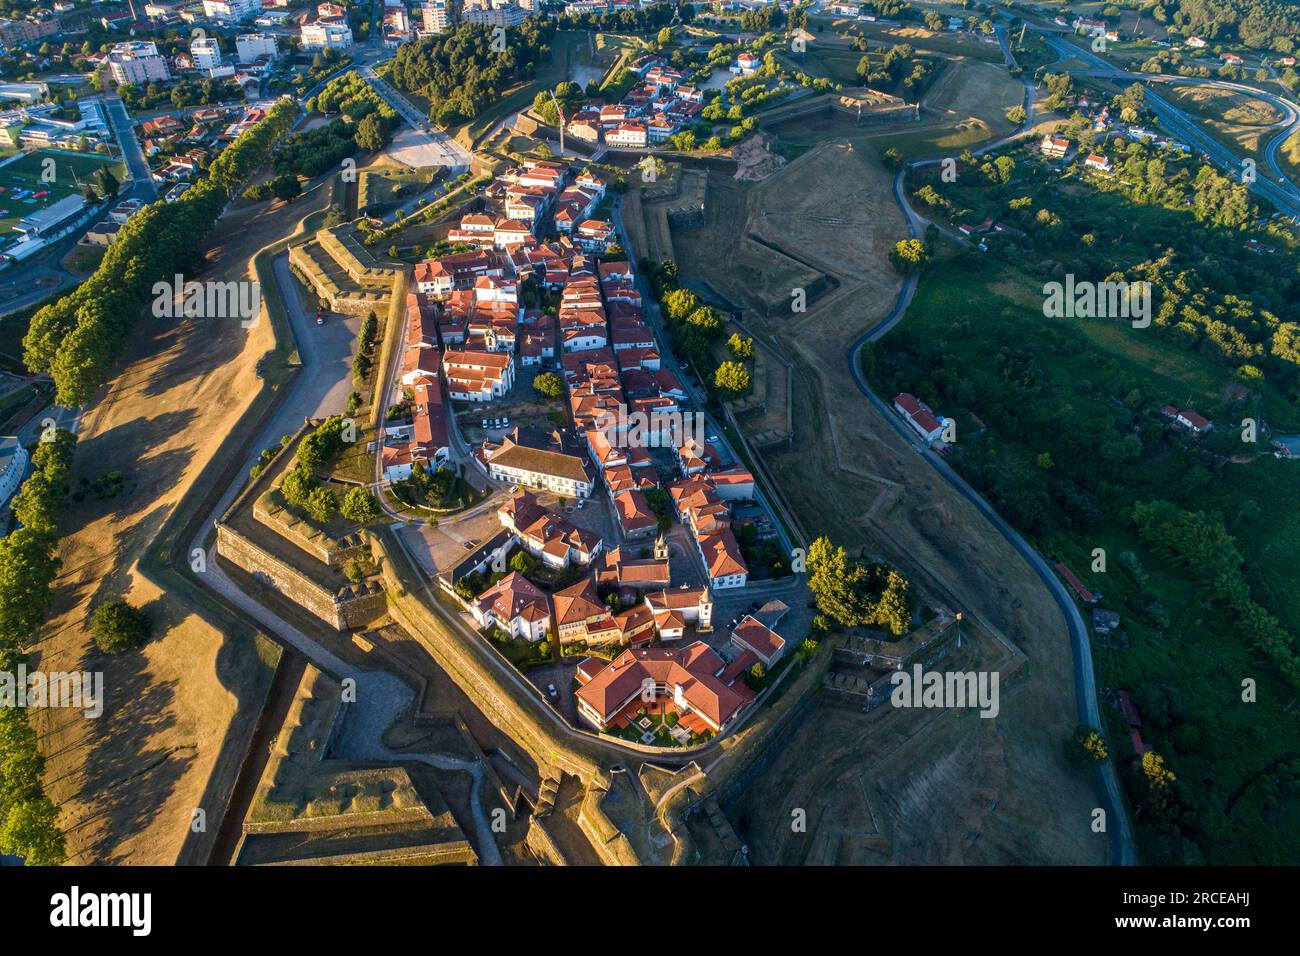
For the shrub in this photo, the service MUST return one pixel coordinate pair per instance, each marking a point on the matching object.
(322, 504)
(118, 627)
(361, 506)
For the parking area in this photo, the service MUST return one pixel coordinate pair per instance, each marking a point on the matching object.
(519, 406)
(441, 547)
(561, 677)
(729, 606)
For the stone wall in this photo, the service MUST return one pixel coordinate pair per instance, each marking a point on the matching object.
(353, 606)
(335, 552)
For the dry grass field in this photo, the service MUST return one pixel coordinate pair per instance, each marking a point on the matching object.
(965, 106)
(919, 787)
(849, 475)
(127, 783)
(1288, 157)
(1242, 123)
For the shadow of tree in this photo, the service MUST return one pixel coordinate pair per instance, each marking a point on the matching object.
(127, 777)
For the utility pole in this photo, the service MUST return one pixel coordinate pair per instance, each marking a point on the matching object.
(560, 110)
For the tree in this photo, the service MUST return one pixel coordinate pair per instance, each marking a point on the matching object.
(664, 37)
(523, 562)
(298, 484)
(706, 319)
(285, 186)
(548, 384)
(27, 566)
(361, 506)
(29, 831)
(893, 610)
(370, 133)
(732, 378)
(909, 256)
(118, 627)
(1087, 745)
(321, 504)
(834, 582)
(741, 348)
(107, 183)
(680, 303)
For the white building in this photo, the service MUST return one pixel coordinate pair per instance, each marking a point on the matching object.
(231, 11)
(136, 62)
(555, 471)
(13, 466)
(325, 35)
(249, 46)
(439, 16)
(505, 15)
(205, 53)
(24, 92)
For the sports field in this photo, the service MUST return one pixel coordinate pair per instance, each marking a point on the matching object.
(26, 187)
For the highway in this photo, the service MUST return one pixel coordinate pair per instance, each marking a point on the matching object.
(1270, 183)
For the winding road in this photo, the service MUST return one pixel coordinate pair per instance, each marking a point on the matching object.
(1085, 683)
(1275, 186)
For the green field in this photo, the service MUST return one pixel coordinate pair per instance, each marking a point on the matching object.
(975, 342)
(70, 170)
(380, 186)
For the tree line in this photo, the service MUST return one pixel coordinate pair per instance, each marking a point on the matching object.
(79, 338)
(28, 565)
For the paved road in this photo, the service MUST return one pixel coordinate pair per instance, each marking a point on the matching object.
(132, 155)
(1122, 850)
(1271, 183)
(446, 149)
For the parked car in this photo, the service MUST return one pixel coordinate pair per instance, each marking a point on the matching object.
(485, 423)
(320, 319)
(552, 692)
(713, 439)
(684, 366)
(505, 423)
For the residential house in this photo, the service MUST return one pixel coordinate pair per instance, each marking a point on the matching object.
(559, 472)
(516, 605)
(687, 677)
